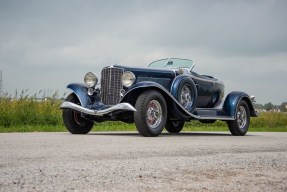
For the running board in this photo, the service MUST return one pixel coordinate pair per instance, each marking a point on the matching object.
(211, 114)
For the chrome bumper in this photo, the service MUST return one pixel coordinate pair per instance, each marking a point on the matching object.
(118, 107)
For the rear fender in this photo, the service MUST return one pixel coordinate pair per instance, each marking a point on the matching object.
(176, 82)
(80, 91)
(232, 100)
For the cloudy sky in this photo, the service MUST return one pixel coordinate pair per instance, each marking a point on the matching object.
(48, 44)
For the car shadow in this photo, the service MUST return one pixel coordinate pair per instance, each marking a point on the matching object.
(182, 134)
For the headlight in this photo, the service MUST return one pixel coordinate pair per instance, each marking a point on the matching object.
(90, 79)
(128, 78)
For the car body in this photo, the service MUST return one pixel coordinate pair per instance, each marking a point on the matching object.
(166, 94)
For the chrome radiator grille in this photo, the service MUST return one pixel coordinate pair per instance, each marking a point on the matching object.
(111, 85)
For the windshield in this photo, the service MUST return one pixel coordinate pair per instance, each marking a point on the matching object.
(172, 63)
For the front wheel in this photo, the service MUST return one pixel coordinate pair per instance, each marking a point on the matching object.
(73, 120)
(240, 125)
(151, 114)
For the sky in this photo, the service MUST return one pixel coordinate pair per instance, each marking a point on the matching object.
(45, 45)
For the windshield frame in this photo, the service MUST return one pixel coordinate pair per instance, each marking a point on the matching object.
(173, 63)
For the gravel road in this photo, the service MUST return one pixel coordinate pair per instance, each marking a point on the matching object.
(198, 161)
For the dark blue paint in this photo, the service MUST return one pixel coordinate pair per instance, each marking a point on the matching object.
(175, 84)
(81, 92)
(149, 72)
(141, 86)
(173, 106)
(210, 92)
(232, 100)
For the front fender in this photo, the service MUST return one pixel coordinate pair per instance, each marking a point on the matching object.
(232, 100)
(174, 106)
(80, 91)
(135, 90)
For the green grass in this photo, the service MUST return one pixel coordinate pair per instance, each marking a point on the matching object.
(30, 115)
(119, 126)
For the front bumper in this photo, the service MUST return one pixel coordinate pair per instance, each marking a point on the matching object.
(118, 107)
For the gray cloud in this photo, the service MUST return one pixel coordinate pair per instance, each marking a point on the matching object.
(48, 44)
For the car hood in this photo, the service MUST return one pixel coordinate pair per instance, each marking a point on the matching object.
(149, 72)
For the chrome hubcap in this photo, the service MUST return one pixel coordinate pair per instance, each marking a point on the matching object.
(241, 117)
(153, 114)
(185, 96)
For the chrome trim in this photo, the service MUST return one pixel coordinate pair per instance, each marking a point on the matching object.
(133, 78)
(216, 118)
(110, 78)
(120, 106)
(153, 114)
(90, 91)
(252, 98)
(110, 94)
(190, 114)
(167, 62)
(241, 117)
(91, 74)
(169, 58)
(193, 65)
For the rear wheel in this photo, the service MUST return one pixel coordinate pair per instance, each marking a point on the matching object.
(174, 126)
(240, 125)
(151, 114)
(73, 120)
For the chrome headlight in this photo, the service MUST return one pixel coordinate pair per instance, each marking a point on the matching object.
(128, 78)
(90, 79)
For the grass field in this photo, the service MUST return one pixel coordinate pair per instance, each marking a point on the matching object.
(31, 115)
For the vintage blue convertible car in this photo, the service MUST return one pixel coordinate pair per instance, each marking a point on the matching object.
(164, 95)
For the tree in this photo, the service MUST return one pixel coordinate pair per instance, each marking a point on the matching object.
(268, 106)
(258, 106)
(283, 107)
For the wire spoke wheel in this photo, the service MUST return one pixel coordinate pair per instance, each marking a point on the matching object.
(240, 125)
(185, 96)
(241, 117)
(153, 114)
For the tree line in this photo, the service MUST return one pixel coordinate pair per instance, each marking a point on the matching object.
(270, 107)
